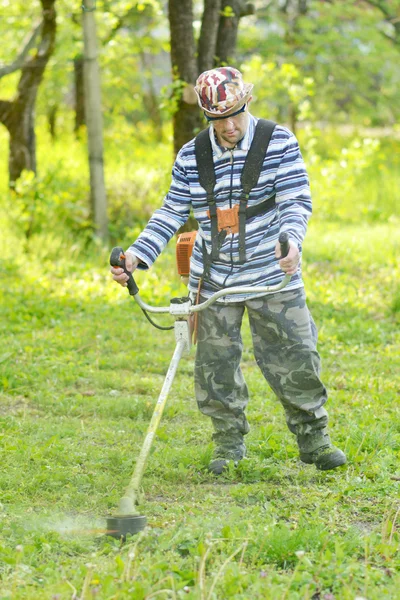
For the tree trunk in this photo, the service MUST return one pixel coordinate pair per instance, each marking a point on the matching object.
(227, 32)
(187, 119)
(208, 35)
(94, 121)
(216, 45)
(233, 11)
(19, 115)
(22, 141)
(79, 94)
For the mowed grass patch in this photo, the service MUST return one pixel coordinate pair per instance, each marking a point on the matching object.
(81, 370)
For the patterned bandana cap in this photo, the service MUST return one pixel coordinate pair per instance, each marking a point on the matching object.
(222, 91)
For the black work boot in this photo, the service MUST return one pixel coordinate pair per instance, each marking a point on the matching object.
(316, 449)
(219, 465)
(229, 449)
(324, 459)
(223, 457)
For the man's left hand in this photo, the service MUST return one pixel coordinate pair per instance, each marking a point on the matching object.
(290, 263)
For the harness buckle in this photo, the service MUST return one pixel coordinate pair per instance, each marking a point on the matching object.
(228, 219)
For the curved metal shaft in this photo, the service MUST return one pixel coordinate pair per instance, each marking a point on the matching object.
(254, 292)
(258, 292)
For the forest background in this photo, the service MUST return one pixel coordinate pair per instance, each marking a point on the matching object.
(81, 370)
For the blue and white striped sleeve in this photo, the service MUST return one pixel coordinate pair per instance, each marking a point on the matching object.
(165, 221)
(293, 192)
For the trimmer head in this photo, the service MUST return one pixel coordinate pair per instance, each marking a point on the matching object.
(120, 526)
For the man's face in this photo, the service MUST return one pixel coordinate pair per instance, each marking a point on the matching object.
(231, 130)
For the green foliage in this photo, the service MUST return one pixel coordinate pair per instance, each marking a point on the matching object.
(57, 202)
(36, 199)
(227, 12)
(278, 88)
(342, 46)
(353, 178)
(171, 95)
(131, 65)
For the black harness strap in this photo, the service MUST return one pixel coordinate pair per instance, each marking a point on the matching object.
(262, 207)
(205, 167)
(250, 175)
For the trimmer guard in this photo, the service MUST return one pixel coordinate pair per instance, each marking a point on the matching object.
(121, 526)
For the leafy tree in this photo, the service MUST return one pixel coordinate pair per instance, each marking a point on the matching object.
(127, 47)
(391, 15)
(18, 114)
(342, 45)
(278, 84)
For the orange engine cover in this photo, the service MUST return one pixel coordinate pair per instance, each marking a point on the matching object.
(184, 248)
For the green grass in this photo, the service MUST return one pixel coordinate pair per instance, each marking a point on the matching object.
(80, 372)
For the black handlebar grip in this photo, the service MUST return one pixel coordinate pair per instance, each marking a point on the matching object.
(117, 259)
(284, 242)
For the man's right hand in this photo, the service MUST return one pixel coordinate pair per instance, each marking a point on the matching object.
(131, 262)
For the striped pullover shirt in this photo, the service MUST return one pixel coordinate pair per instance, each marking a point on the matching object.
(283, 173)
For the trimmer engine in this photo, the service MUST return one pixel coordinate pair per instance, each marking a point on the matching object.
(184, 249)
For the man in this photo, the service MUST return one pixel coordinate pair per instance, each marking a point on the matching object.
(230, 252)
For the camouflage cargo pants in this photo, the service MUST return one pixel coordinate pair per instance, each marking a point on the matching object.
(284, 340)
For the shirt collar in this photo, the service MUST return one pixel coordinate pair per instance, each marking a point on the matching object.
(244, 143)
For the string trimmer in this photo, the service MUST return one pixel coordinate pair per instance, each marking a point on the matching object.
(127, 520)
